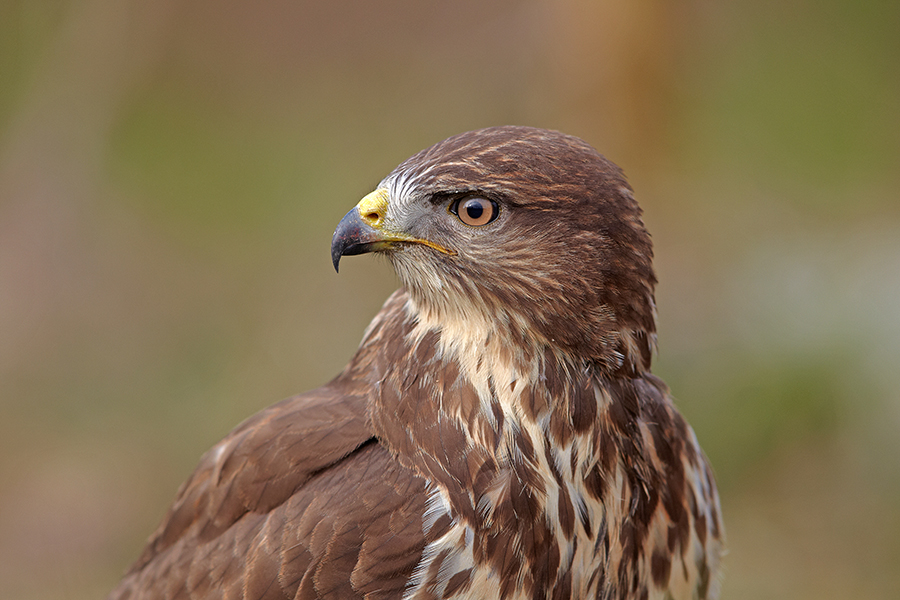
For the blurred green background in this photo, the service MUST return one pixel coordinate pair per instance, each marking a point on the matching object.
(171, 173)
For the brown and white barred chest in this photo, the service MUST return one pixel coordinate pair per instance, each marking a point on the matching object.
(596, 544)
(546, 479)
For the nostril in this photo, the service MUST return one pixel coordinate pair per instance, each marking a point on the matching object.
(373, 218)
(372, 209)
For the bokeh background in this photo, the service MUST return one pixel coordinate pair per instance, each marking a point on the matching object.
(171, 173)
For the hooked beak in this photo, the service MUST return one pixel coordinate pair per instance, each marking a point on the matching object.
(362, 230)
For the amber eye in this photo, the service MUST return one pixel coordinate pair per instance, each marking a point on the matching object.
(475, 211)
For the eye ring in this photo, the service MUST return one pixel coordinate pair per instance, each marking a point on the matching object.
(475, 211)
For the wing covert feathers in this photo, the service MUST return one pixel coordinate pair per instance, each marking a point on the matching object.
(287, 505)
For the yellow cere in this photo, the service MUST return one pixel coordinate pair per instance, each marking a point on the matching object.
(373, 208)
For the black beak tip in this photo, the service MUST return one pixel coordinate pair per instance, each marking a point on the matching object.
(352, 236)
(339, 242)
(335, 257)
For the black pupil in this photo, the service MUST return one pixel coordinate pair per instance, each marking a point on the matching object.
(474, 209)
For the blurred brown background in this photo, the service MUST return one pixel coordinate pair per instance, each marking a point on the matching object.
(171, 173)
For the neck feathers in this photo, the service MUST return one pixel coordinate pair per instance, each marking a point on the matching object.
(529, 450)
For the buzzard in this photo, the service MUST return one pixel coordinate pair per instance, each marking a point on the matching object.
(498, 433)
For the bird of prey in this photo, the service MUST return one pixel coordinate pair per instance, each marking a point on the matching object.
(498, 433)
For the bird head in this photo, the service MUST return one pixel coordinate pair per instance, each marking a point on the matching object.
(527, 231)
